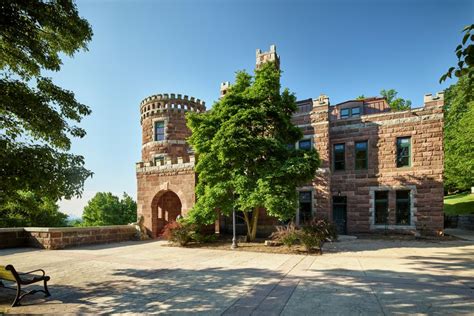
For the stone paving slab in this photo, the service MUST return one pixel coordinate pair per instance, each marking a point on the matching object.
(352, 277)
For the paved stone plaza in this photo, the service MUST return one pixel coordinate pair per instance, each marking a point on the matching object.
(352, 277)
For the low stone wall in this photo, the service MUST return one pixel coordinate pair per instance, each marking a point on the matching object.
(466, 222)
(12, 237)
(64, 237)
(459, 221)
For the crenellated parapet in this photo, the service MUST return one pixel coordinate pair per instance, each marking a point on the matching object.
(170, 102)
(166, 165)
(431, 101)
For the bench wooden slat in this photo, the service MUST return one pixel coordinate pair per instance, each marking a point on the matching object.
(6, 274)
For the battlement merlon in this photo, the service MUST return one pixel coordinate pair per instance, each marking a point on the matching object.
(430, 100)
(166, 164)
(322, 100)
(263, 57)
(225, 85)
(171, 101)
(224, 88)
(171, 96)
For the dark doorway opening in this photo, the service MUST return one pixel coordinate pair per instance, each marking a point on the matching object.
(339, 213)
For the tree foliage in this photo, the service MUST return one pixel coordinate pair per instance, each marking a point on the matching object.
(459, 118)
(37, 118)
(459, 135)
(397, 104)
(465, 54)
(107, 209)
(30, 210)
(244, 158)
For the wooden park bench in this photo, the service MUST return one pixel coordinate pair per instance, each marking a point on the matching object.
(8, 273)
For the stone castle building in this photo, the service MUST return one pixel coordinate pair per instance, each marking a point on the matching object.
(380, 169)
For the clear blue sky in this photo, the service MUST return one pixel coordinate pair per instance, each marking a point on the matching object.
(340, 48)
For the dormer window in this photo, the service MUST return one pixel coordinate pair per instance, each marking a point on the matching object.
(355, 112)
(350, 112)
(345, 113)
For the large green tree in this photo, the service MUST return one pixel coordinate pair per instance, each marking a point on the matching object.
(459, 118)
(107, 209)
(245, 161)
(37, 118)
(30, 210)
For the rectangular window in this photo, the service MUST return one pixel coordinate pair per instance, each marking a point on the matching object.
(291, 146)
(159, 131)
(403, 151)
(403, 208)
(344, 113)
(305, 214)
(159, 160)
(304, 144)
(339, 157)
(381, 207)
(355, 111)
(361, 155)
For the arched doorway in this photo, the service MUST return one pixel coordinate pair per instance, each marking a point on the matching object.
(166, 207)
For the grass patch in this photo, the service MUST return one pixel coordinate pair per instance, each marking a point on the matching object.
(459, 204)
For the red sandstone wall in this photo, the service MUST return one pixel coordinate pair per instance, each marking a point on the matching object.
(152, 184)
(425, 127)
(176, 133)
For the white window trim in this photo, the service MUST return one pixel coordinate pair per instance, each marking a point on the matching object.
(413, 209)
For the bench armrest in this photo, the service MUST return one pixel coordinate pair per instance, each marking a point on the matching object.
(30, 272)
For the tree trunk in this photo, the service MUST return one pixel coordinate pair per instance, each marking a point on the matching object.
(251, 224)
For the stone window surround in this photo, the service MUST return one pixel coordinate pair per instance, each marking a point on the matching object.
(362, 140)
(333, 157)
(165, 121)
(413, 209)
(313, 199)
(410, 152)
(305, 137)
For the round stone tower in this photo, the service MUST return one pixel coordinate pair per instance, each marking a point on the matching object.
(165, 175)
(164, 129)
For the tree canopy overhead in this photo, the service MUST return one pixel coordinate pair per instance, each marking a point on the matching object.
(245, 161)
(465, 54)
(38, 118)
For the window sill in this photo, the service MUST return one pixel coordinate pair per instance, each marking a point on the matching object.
(405, 168)
(381, 226)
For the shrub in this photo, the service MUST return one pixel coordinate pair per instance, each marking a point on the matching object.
(203, 238)
(287, 235)
(179, 232)
(315, 234)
